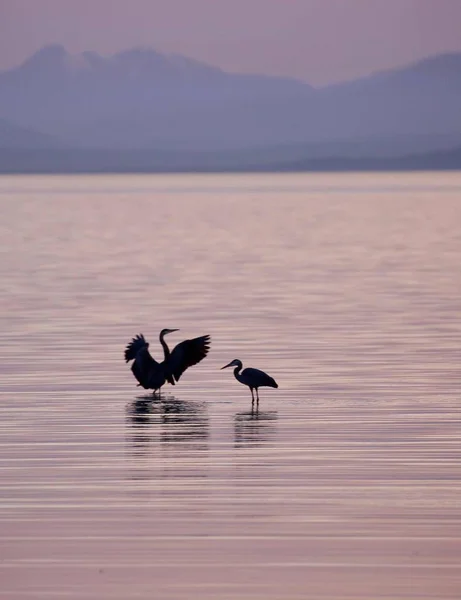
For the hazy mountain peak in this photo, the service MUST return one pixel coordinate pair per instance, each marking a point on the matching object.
(139, 62)
(449, 63)
(144, 60)
(53, 54)
(440, 65)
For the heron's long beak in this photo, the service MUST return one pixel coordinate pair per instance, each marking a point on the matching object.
(229, 365)
(172, 330)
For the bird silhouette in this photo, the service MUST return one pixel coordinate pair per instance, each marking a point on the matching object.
(151, 374)
(253, 378)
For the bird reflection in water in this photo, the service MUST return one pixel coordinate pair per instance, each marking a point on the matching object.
(179, 424)
(139, 416)
(254, 428)
(185, 423)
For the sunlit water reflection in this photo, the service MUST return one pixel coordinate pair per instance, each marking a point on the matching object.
(345, 484)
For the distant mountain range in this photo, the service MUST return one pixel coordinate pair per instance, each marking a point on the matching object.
(21, 160)
(171, 111)
(15, 136)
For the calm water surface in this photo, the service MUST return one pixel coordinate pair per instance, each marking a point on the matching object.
(345, 485)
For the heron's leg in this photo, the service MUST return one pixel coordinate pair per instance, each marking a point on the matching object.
(257, 399)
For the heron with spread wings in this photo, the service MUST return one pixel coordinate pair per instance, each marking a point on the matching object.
(151, 374)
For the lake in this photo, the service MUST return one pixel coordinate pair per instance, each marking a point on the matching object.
(346, 288)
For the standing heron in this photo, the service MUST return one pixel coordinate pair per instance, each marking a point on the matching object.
(151, 374)
(253, 378)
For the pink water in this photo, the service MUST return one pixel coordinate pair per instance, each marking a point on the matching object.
(346, 485)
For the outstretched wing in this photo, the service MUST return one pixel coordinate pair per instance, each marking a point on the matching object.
(138, 349)
(186, 354)
(138, 342)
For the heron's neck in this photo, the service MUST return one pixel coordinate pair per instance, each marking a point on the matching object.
(166, 350)
(237, 372)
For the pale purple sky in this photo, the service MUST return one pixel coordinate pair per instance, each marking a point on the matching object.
(319, 41)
